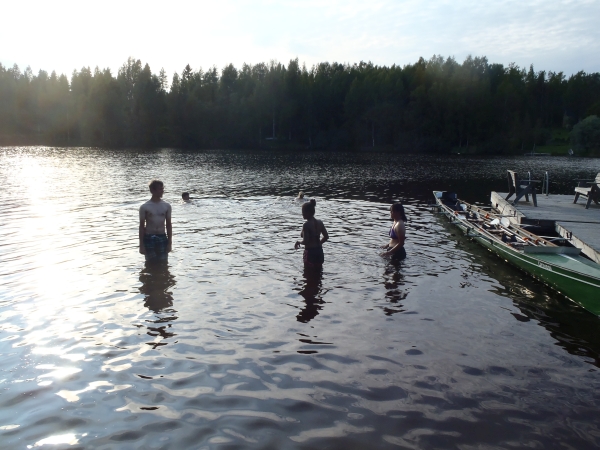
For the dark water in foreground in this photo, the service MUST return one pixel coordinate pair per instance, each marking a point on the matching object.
(232, 345)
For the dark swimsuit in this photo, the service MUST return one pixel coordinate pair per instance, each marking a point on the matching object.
(313, 256)
(398, 254)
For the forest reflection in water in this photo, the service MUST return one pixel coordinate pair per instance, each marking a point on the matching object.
(232, 343)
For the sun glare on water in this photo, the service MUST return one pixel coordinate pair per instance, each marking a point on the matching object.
(68, 439)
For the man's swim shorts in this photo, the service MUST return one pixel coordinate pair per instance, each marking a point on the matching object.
(156, 247)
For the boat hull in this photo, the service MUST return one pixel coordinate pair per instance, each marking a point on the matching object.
(572, 276)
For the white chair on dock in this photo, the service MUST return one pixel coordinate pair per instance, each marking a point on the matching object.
(589, 189)
(521, 188)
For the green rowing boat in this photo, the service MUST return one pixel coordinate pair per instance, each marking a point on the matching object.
(561, 267)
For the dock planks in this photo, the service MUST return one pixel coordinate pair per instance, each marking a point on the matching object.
(571, 220)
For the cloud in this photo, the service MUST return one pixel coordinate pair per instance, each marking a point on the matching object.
(67, 35)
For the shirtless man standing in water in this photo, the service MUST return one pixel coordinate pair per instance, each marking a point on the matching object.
(154, 214)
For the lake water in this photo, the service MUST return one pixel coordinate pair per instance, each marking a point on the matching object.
(232, 345)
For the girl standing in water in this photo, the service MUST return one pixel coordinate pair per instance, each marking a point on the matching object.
(311, 236)
(395, 248)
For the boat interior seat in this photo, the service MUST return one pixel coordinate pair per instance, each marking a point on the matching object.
(589, 189)
(450, 199)
(509, 238)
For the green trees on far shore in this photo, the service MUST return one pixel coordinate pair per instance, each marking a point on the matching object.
(431, 105)
(585, 136)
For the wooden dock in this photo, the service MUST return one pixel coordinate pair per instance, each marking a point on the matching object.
(570, 220)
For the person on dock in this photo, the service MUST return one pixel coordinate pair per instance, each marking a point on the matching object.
(155, 216)
(395, 247)
(311, 237)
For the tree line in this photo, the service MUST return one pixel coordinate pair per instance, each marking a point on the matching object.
(431, 105)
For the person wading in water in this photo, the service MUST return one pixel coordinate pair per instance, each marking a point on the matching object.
(311, 237)
(395, 248)
(155, 244)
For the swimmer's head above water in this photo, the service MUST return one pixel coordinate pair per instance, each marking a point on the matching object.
(300, 194)
(185, 196)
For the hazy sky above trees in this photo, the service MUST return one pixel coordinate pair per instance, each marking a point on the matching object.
(553, 35)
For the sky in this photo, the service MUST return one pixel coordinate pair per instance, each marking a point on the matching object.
(60, 35)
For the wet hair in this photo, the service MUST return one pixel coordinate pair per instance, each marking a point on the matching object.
(154, 184)
(300, 194)
(398, 207)
(185, 195)
(308, 208)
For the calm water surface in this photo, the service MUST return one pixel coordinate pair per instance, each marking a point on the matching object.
(232, 345)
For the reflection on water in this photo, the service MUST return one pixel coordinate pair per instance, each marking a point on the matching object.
(156, 286)
(157, 283)
(234, 345)
(394, 283)
(311, 291)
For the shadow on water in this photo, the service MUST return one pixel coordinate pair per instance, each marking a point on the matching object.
(157, 282)
(312, 293)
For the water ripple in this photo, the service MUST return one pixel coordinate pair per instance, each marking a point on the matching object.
(233, 344)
